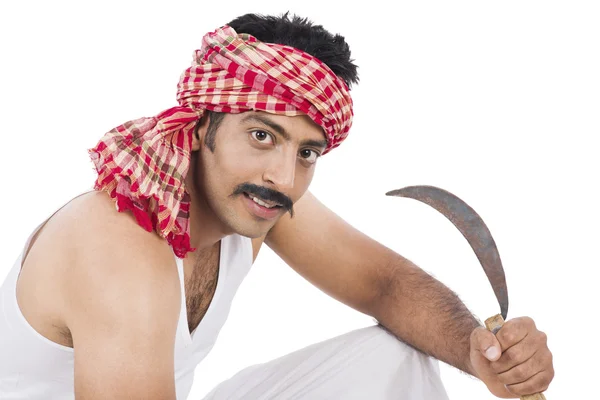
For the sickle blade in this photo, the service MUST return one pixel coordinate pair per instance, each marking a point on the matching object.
(472, 227)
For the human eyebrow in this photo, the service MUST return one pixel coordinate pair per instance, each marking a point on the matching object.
(267, 122)
(320, 144)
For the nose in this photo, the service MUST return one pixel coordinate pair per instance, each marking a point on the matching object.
(281, 171)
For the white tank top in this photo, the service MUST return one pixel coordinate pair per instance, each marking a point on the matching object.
(33, 367)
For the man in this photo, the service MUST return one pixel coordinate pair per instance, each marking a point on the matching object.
(98, 308)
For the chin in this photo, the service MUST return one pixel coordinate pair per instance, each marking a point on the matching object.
(245, 225)
(252, 232)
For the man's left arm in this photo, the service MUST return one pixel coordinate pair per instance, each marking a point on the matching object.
(414, 306)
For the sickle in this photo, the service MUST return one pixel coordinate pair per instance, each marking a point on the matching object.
(470, 224)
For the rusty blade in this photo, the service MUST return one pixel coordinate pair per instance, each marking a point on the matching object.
(472, 227)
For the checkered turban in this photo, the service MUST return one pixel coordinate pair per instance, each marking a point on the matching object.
(142, 164)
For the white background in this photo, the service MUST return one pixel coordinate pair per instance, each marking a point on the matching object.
(498, 102)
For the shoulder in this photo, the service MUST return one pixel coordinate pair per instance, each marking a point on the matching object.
(122, 303)
(311, 217)
(89, 233)
(111, 256)
(306, 210)
(93, 223)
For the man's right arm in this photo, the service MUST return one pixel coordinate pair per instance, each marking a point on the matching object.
(122, 301)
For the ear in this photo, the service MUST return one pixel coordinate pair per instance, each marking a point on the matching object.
(200, 132)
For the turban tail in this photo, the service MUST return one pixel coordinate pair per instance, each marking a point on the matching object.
(143, 163)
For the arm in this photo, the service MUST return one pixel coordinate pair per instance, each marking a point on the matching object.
(375, 280)
(424, 313)
(122, 307)
(414, 306)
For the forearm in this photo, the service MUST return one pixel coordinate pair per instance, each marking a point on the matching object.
(425, 314)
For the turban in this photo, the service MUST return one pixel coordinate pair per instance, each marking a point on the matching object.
(142, 164)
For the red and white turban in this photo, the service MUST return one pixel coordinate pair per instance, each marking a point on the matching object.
(142, 164)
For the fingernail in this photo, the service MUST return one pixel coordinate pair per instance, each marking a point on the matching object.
(491, 353)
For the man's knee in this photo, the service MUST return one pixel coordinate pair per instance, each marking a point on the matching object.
(388, 351)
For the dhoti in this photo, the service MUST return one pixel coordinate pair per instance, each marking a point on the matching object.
(368, 363)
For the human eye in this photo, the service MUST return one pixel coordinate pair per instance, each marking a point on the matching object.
(309, 155)
(262, 136)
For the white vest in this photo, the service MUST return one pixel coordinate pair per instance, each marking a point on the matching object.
(33, 367)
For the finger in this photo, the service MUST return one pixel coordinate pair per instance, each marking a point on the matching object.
(485, 342)
(536, 384)
(519, 353)
(514, 330)
(522, 372)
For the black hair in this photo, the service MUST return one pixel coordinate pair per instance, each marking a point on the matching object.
(301, 34)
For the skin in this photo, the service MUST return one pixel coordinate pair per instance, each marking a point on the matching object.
(272, 151)
(125, 343)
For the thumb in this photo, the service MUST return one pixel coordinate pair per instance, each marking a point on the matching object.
(485, 342)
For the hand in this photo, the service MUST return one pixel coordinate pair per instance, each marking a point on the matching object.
(515, 362)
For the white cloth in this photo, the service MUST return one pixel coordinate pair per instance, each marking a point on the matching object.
(33, 367)
(368, 363)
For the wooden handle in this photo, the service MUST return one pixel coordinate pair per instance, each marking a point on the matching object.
(493, 325)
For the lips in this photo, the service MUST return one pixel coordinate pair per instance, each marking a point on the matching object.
(261, 208)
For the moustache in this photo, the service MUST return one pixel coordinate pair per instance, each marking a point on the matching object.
(266, 194)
